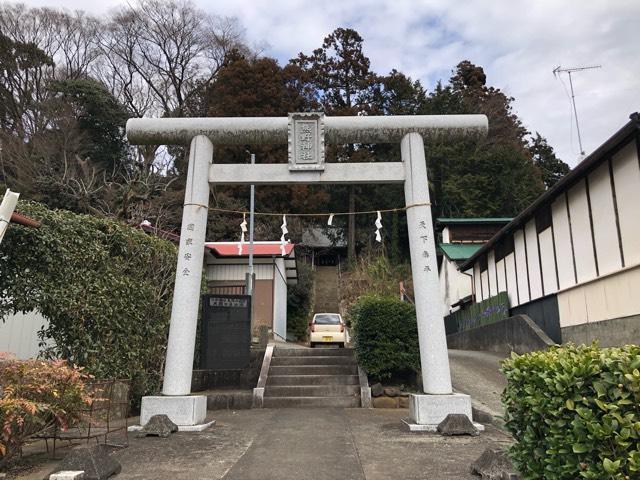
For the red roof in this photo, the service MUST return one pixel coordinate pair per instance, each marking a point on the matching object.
(230, 249)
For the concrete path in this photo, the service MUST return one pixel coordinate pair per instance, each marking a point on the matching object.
(300, 444)
(478, 374)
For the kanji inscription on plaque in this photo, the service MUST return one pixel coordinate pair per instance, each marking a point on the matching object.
(306, 141)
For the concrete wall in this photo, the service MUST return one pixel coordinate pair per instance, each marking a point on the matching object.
(608, 333)
(517, 334)
(19, 334)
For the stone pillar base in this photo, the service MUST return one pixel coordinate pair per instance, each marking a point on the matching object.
(427, 411)
(183, 410)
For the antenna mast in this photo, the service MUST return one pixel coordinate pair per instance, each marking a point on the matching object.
(558, 70)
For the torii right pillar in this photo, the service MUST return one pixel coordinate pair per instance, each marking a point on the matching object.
(428, 410)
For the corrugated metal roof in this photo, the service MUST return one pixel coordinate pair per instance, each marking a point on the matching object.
(627, 133)
(260, 249)
(460, 251)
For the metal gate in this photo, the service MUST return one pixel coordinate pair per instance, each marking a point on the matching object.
(226, 332)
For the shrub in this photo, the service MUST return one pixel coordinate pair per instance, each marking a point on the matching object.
(36, 395)
(575, 412)
(299, 302)
(385, 334)
(373, 274)
(105, 288)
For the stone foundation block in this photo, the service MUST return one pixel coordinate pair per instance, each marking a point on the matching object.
(433, 409)
(68, 475)
(184, 410)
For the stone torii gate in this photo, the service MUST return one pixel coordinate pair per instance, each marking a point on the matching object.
(305, 133)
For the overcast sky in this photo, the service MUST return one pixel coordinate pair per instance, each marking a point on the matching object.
(517, 42)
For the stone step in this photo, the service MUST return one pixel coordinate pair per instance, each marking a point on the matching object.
(313, 370)
(312, 380)
(312, 391)
(312, 352)
(301, 402)
(314, 360)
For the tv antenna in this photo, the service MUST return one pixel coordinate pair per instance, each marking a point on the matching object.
(556, 73)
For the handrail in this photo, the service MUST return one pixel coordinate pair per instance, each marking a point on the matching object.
(258, 392)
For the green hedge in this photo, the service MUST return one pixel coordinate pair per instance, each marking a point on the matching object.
(575, 412)
(105, 287)
(385, 334)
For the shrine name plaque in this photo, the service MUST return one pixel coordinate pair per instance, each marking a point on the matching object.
(306, 141)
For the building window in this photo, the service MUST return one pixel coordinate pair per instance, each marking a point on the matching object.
(504, 248)
(483, 263)
(543, 218)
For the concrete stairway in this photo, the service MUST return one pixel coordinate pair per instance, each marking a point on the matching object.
(326, 290)
(306, 377)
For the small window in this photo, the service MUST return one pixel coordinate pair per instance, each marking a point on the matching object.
(543, 218)
(483, 263)
(504, 248)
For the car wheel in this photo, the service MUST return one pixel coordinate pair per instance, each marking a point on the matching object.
(312, 345)
(341, 345)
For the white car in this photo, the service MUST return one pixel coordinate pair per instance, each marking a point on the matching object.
(327, 328)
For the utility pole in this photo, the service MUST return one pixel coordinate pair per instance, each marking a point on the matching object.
(251, 213)
(250, 279)
(569, 71)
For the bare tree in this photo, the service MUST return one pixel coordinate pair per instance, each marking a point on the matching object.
(160, 53)
(70, 39)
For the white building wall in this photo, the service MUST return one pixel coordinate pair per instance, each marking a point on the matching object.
(521, 265)
(548, 261)
(606, 298)
(454, 285)
(562, 236)
(502, 276)
(626, 175)
(19, 334)
(511, 279)
(484, 277)
(533, 260)
(605, 232)
(491, 269)
(280, 300)
(581, 230)
(593, 283)
(477, 282)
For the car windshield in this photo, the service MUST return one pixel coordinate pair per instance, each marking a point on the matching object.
(327, 319)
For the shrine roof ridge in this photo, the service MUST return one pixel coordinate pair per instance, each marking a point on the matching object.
(274, 130)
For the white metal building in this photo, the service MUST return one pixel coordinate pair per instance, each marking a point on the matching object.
(571, 260)
(226, 270)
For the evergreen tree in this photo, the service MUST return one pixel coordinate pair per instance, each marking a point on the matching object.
(345, 85)
(551, 167)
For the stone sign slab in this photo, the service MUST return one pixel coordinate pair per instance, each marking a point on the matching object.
(306, 141)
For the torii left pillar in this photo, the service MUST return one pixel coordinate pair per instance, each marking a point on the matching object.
(185, 410)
